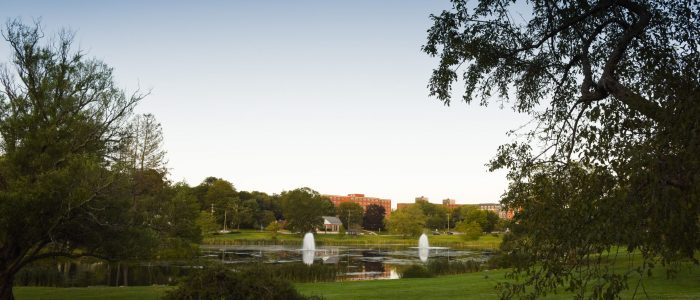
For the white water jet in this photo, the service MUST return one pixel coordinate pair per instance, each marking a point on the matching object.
(308, 249)
(423, 242)
(309, 243)
(423, 247)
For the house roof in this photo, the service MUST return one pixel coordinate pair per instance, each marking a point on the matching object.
(332, 220)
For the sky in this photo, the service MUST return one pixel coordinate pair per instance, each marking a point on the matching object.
(276, 95)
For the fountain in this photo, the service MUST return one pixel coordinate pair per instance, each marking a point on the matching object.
(308, 249)
(423, 242)
(424, 247)
(310, 244)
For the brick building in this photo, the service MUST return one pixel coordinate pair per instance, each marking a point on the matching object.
(362, 200)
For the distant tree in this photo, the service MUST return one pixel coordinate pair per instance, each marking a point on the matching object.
(303, 209)
(142, 148)
(266, 217)
(409, 221)
(436, 214)
(470, 230)
(241, 212)
(207, 223)
(374, 217)
(610, 160)
(222, 196)
(351, 214)
(485, 218)
(472, 213)
(61, 191)
(491, 221)
(329, 208)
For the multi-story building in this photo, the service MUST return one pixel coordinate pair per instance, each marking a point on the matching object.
(362, 200)
(498, 209)
(450, 203)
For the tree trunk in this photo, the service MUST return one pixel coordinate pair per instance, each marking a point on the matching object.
(116, 283)
(126, 275)
(6, 281)
(109, 273)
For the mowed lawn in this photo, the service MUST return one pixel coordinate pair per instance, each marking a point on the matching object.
(101, 293)
(479, 286)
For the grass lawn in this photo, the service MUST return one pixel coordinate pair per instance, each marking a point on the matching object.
(481, 286)
(262, 237)
(465, 286)
(102, 293)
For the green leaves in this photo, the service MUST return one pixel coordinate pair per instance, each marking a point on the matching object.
(612, 155)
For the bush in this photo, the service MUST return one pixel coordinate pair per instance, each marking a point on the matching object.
(441, 267)
(221, 283)
(416, 271)
(300, 272)
(472, 230)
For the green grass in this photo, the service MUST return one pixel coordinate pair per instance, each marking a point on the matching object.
(102, 293)
(481, 286)
(263, 237)
(465, 286)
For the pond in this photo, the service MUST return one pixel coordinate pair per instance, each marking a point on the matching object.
(343, 263)
(353, 263)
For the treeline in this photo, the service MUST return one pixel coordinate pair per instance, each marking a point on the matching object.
(223, 208)
(466, 219)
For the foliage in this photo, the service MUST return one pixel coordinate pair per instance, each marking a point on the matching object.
(408, 221)
(329, 208)
(303, 209)
(61, 120)
(142, 147)
(485, 218)
(374, 217)
(273, 228)
(612, 156)
(206, 223)
(300, 272)
(350, 214)
(436, 214)
(222, 283)
(444, 267)
(416, 271)
(471, 230)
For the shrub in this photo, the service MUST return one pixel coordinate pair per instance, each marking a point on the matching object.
(441, 267)
(221, 283)
(416, 271)
(472, 230)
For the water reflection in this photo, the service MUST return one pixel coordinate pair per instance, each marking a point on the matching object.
(423, 254)
(308, 256)
(353, 263)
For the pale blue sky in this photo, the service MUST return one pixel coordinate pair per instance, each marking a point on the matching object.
(275, 95)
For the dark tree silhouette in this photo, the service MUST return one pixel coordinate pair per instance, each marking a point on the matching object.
(612, 155)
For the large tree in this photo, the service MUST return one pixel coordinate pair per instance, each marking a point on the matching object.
(407, 222)
(612, 157)
(61, 121)
(350, 214)
(374, 217)
(303, 209)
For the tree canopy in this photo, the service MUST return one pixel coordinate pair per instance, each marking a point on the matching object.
(350, 214)
(61, 122)
(407, 222)
(612, 155)
(374, 217)
(303, 209)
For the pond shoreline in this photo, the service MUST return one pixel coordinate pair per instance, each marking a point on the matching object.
(263, 238)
